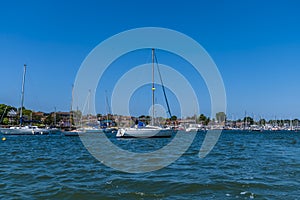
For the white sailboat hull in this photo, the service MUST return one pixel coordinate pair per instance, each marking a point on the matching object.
(25, 131)
(147, 132)
(83, 131)
(91, 130)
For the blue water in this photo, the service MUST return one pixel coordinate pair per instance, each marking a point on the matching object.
(242, 165)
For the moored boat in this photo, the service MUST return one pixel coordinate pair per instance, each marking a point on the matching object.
(76, 132)
(140, 130)
(145, 132)
(25, 130)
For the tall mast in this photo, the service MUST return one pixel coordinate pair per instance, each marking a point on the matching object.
(22, 98)
(71, 107)
(153, 88)
(107, 109)
(88, 105)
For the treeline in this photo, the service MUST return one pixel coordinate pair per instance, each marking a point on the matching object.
(10, 115)
(222, 118)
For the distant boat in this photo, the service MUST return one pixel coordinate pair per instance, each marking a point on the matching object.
(24, 130)
(256, 128)
(193, 128)
(140, 130)
(79, 131)
(71, 133)
(82, 129)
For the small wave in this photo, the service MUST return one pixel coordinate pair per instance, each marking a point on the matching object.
(251, 195)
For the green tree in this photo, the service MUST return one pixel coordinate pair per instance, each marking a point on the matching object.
(262, 122)
(4, 110)
(249, 120)
(202, 118)
(26, 114)
(99, 116)
(221, 116)
(295, 122)
(48, 120)
(173, 118)
(148, 119)
(5, 121)
(206, 121)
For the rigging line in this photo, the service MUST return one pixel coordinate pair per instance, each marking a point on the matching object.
(108, 109)
(163, 87)
(86, 103)
(3, 115)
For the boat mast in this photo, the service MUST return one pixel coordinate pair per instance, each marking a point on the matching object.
(153, 88)
(108, 111)
(3, 114)
(71, 108)
(88, 108)
(22, 98)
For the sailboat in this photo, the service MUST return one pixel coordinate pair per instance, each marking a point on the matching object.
(140, 130)
(84, 128)
(24, 130)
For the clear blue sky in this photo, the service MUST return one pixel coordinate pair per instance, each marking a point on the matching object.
(255, 44)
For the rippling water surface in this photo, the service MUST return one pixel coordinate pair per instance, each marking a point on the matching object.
(242, 165)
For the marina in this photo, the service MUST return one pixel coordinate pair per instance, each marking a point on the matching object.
(160, 100)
